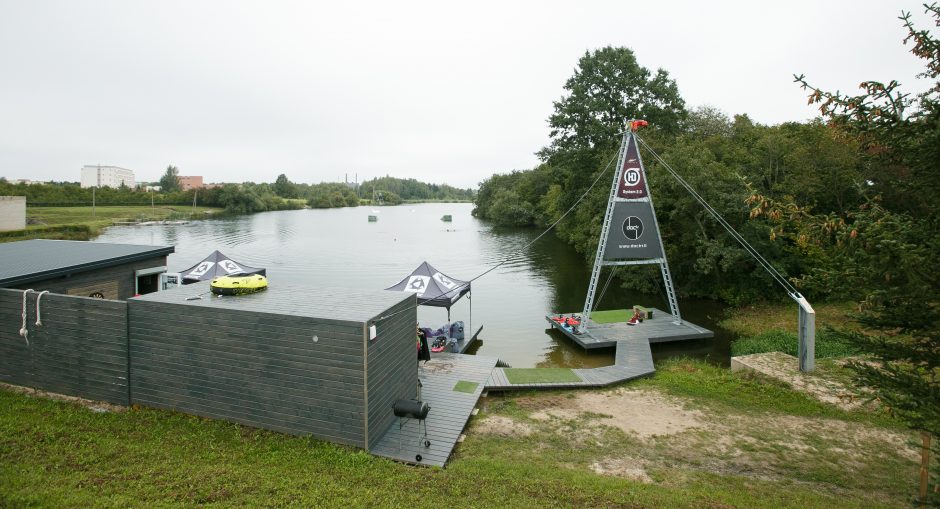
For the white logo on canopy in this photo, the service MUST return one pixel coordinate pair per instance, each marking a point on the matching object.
(200, 270)
(446, 283)
(230, 266)
(417, 284)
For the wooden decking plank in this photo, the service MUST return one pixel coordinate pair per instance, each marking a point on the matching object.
(449, 413)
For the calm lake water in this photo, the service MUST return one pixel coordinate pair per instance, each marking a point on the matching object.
(340, 248)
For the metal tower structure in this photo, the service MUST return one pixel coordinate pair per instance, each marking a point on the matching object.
(630, 232)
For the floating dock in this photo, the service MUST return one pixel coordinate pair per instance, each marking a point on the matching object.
(659, 329)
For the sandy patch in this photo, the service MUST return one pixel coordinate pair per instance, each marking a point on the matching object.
(502, 426)
(851, 437)
(641, 412)
(629, 468)
(786, 368)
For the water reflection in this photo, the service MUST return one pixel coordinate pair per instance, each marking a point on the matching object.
(340, 248)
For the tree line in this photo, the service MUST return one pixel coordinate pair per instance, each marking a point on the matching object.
(245, 198)
(847, 205)
(386, 191)
(234, 198)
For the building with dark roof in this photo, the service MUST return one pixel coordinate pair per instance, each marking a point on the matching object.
(87, 269)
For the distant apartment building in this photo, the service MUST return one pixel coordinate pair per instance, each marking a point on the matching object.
(107, 176)
(191, 182)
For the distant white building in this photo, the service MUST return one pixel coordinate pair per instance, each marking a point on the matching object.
(107, 176)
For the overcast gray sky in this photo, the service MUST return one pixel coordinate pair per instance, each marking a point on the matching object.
(438, 91)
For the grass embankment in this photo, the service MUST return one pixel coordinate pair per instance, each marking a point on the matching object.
(773, 328)
(704, 437)
(84, 223)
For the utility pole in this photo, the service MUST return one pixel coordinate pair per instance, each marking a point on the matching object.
(94, 215)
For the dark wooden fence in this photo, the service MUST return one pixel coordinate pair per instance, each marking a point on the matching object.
(254, 368)
(290, 373)
(79, 350)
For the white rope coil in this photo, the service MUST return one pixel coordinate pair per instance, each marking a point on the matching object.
(38, 319)
(23, 330)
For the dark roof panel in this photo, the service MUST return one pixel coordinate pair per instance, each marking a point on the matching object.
(342, 304)
(36, 260)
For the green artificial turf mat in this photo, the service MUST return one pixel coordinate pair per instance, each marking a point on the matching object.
(465, 386)
(540, 375)
(611, 316)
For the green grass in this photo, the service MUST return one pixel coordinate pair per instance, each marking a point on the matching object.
(743, 392)
(827, 344)
(84, 223)
(611, 316)
(58, 454)
(465, 386)
(540, 375)
(105, 215)
(59, 232)
(754, 320)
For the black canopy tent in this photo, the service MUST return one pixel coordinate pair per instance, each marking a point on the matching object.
(216, 265)
(433, 287)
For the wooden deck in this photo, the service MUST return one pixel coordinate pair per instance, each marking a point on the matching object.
(659, 329)
(450, 409)
(633, 359)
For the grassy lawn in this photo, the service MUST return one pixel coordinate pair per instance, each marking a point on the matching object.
(748, 443)
(103, 216)
(83, 223)
(755, 320)
(773, 328)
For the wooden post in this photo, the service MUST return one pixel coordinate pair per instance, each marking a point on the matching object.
(924, 468)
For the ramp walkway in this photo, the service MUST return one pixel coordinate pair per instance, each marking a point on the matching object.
(633, 359)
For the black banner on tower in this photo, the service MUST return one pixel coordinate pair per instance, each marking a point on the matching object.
(632, 177)
(633, 234)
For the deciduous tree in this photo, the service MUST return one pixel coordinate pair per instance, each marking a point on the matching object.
(170, 181)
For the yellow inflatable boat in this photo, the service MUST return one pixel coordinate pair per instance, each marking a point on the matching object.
(235, 285)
